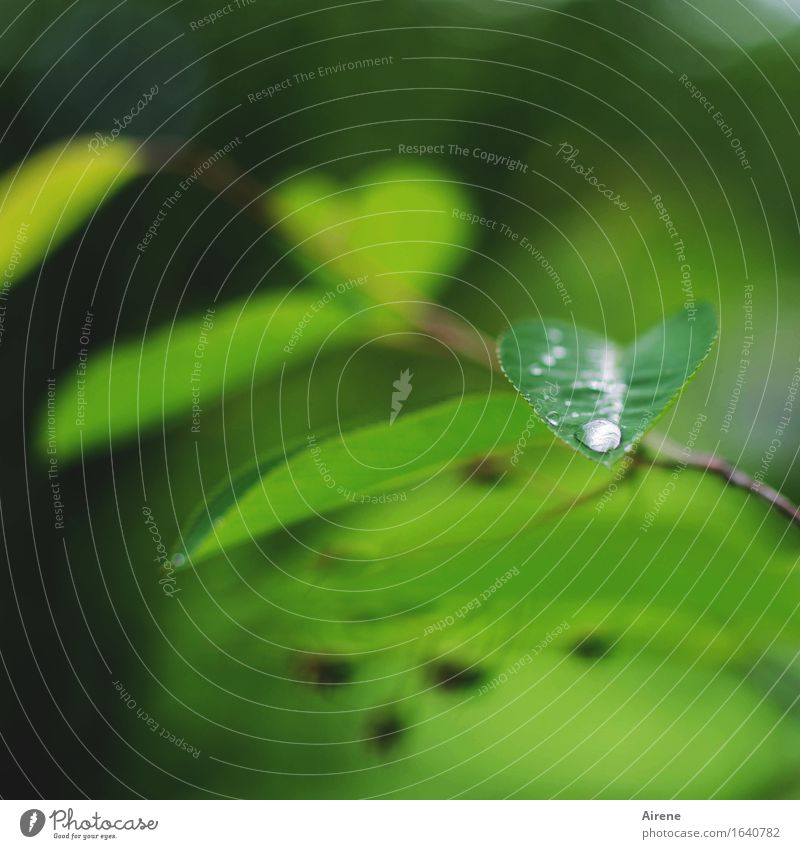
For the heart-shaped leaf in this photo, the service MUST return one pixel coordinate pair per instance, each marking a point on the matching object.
(398, 226)
(598, 396)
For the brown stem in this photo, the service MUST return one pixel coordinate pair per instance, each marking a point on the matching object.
(221, 176)
(675, 455)
(457, 334)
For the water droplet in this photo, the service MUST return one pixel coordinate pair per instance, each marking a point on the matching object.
(594, 385)
(178, 559)
(549, 360)
(574, 415)
(554, 334)
(559, 351)
(600, 435)
(553, 418)
(534, 370)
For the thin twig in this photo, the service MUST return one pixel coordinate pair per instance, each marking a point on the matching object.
(220, 176)
(676, 456)
(457, 334)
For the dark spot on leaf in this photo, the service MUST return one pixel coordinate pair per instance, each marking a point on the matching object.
(328, 557)
(486, 470)
(324, 672)
(364, 618)
(385, 732)
(452, 676)
(591, 647)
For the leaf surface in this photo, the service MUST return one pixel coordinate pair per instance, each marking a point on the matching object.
(396, 227)
(179, 370)
(373, 464)
(585, 657)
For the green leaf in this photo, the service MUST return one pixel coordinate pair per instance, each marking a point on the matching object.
(174, 370)
(395, 219)
(52, 193)
(379, 461)
(573, 377)
(649, 685)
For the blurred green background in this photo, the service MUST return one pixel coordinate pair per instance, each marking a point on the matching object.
(299, 665)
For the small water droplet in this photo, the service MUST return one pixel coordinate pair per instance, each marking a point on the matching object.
(553, 418)
(554, 334)
(574, 415)
(594, 385)
(600, 435)
(178, 559)
(559, 351)
(534, 369)
(549, 360)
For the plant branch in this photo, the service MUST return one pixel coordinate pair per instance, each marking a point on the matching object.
(457, 334)
(674, 456)
(217, 174)
(246, 194)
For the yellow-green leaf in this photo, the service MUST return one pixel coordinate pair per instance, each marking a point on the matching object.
(398, 225)
(52, 193)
